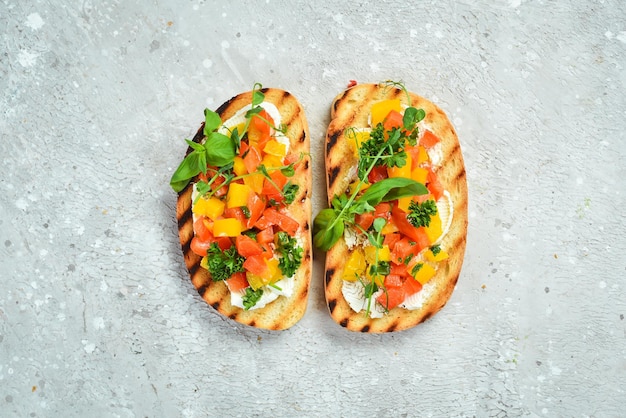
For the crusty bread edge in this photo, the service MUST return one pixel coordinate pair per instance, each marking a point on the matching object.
(351, 109)
(284, 312)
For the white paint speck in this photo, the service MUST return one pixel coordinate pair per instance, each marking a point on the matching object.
(413, 33)
(338, 18)
(556, 371)
(104, 286)
(80, 230)
(88, 347)
(33, 285)
(43, 253)
(374, 67)
(544, 411)
(225, 44)
(515, 3)
(602, 284)
(98, 323)
(27, 58)
(21, 204)
(207, 63)
(438, 34)
(621, 37)
(34, 21)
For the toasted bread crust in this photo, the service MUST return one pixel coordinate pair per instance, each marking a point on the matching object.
(283, 312)
(351, 109)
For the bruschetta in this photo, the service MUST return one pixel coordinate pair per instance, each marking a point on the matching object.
(395, 229)
(244, 209)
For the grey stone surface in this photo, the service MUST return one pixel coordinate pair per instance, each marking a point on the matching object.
(97, 315)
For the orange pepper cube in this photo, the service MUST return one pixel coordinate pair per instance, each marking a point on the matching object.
(227, 227)
(381, 109)
(237, 195)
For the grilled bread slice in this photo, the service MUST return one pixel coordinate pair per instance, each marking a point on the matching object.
(351, 109)
(283, 312)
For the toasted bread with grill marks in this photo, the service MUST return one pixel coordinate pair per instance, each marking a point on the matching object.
(284, 312)
(351, 109)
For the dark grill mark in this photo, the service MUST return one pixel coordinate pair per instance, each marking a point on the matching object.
(202, 290)
(427, 316)
(392, 327)
(302, 137)
(215, 305)
(232, 316)
(329, 275)
(332, 175)
(306, 165)
(332, 141)
(332, 304)
(344, 322)
(193, 269)
(306, 226)
(366, 328)
(184, 219)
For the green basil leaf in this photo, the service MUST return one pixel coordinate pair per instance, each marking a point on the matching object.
(379, 223)
(392, 189)
(257, 95)
(325, 236)
(212, 121)
(194, 145)
(220, 149)
(288, 171)
(188, 168)
(411, 117)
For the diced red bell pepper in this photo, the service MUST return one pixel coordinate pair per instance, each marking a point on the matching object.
(200, 247)
(252, 159)
(391, 239)
(403, 224)
(383, 210)
(236, 213)
(399, 270)
(279, 179)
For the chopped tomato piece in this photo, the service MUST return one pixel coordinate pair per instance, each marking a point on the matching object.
(393, 280)
(237, 282)
(224, 243)
(429, 139)
(383, 210)
(378, 173)
(391, 297)
(403, 224)
(218, 188)
(266, 235)
(268, 252)
(236, 213)
(256, 206)
(434, 185)
(400, 270)
(256, 265)
(201, 230)
(391, 239)
(272, 217)
(243, 148)
(200, 247)
(393, 120)
(364, 220)
(252, 159)
(403, 249)
(247, 246)
(413, 151)
(411, 286)
(279, 179)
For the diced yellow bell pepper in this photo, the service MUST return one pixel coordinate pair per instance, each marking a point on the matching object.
(204, 263)
(441, 255)
(389, 228)
(356, 138)
(434, 229)
(404, 171)
(255, 281)
(239, 128)
(239, 167)
(237, 195)
(228, 227)
(381, 109)
(424, 273)
(404, 202)
(212, 207)
(352, 187)
(255, 182)
(422, 155)
(275, 148)
(354, 267)
(383, 254)
(272, 274)
(419, 174)
(270, 161)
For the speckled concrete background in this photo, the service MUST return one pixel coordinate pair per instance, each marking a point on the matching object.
(97, 315)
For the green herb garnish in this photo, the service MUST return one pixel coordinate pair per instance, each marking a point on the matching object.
(420, 213)
(291, 254)
(223, 264)
(251, 297)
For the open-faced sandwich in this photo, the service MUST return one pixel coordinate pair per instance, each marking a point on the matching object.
(395, 231)
(244, 208)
